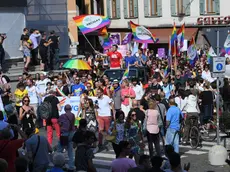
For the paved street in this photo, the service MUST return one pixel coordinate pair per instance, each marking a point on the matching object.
(198, 158)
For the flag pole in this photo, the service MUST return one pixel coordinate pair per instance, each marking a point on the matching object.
(88, 41)
(175, 47)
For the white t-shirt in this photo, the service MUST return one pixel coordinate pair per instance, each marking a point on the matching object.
(138, 91)
(104, 106)
(41, 84)
(33, 94)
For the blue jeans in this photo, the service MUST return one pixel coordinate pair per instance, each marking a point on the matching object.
(172, 138)
(69, 149)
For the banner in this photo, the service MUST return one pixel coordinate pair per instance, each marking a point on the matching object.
(115, 38)
(161, 52)
(123, 49)
(74, 101)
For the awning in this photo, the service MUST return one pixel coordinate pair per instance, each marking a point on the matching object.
(163, 34)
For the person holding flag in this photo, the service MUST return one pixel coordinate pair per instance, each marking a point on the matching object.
(116, 59)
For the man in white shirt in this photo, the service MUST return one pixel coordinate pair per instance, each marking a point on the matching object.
(33, 93)
(138, 90)
(35, 38)
(103, 105)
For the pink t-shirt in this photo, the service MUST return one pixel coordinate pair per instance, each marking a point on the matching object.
(152, 121)
(122, 164)
(125, 92)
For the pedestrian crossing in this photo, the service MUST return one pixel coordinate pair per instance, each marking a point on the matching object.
(103, 160)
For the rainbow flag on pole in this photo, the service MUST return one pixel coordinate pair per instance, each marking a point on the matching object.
(125, 75)
(90, 23)
(192, 52)
(173, 40)
(180, 37)
(211, 53)
(141, 34)
(104, 37)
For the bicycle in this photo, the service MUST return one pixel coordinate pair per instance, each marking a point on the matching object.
(194, 133)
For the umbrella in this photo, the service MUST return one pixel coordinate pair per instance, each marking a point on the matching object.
(77, 64)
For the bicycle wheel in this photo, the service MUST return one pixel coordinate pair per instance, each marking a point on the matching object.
(209, 135)
(194, 137)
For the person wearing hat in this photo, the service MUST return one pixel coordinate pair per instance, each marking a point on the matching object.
(116, 96)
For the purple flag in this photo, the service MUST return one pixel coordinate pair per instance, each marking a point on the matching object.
(127, 39)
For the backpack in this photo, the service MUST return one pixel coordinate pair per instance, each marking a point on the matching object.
(45, 110)
(6, 78)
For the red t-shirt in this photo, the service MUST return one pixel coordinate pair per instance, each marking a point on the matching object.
(115, 59)
(8, 150)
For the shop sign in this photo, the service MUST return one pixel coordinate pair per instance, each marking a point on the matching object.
(220, 20)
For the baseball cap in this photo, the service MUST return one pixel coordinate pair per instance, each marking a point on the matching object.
(115, 81)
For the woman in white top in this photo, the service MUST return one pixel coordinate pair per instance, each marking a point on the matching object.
(181, 99)
(192, 110)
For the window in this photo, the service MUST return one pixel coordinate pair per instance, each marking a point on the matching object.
(153, 8)
(113, 8)
(130, 8)
(180, 7)
(209, 7)
(114, 12)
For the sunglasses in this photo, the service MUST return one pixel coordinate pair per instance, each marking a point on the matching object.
(133, 114)
(177, 75)
(26, 101)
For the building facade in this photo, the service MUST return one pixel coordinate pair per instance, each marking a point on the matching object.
(159, 16)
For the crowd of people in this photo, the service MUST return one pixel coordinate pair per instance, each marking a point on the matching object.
(124, 113)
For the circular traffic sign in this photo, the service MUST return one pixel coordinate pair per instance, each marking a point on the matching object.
(219, 66)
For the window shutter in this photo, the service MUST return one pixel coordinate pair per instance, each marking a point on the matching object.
(173, 8)
(202, 7)
(108, 3)
(159, 8)
(217, 6)
(135, 8)
(125, 9)
(186, 7)
(118, 10)
(146, 4)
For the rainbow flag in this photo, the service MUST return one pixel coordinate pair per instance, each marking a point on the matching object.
(192, 52)
(90, 23)
(60, 92)
(227, 44)
(169, 48)
(211, 53)
(180, 37)
(125, 75)
(173, 40)
(142, 35)
(104, 37)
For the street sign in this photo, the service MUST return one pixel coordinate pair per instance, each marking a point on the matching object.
(218, 64)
